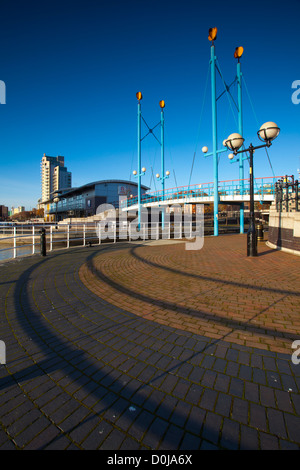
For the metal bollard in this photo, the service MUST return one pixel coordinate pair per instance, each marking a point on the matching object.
(260, 232)
(251, 242)
(43, 242)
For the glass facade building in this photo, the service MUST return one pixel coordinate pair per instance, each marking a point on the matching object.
(85, 200)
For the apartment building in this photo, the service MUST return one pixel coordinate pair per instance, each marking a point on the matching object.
(55, 176)
(3, 212)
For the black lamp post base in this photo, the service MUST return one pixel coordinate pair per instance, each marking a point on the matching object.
(251, 243)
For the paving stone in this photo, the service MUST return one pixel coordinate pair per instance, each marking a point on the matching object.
(172, 438)
(230, 434)
(208, 399)
(249, 438)
(190, 442)
(252, 392)
(155, 433)
(240, 409)
(236, 387)
(276, 423)
(268, 442)
(180, 413)
(283, 400)
(293, 426)
(222, 383)
(258, 418)
(211, 428)
(223, 405)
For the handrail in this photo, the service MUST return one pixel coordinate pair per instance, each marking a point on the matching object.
(80, 233)
(205, 190)
(287, 194)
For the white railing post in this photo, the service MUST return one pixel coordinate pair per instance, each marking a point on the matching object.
(99, 228)
(144, 232)
(68, 236)
(33, 240)
(15, 242)
(84, 235)
(129, 232)
(115, 232)
(169, 230)
(51, 237)
(157, 231)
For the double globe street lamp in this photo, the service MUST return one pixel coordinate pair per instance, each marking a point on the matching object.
(267, 133)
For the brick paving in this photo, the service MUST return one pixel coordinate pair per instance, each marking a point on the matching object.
(151, 346)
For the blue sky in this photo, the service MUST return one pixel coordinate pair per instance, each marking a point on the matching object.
(72, 69)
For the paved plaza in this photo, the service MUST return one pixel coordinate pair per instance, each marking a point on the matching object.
(147, 346)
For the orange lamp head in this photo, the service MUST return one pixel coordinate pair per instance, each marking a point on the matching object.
(212, 34)
(238, 52)
(139, 95)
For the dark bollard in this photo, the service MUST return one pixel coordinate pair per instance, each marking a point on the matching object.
(43, 242)
(251, 241)
(260, 232)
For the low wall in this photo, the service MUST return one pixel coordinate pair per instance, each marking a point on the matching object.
(284, 231)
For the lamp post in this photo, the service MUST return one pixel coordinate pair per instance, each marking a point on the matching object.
(268, 132)
(212, 36)
(139, 174)
(237, 55)
(162, 151)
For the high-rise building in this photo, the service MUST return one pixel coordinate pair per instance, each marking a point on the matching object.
(55, 176)
(3, 212)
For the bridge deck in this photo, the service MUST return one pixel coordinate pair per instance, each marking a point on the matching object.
(230, 192)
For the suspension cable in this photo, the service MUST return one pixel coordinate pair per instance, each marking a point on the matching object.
(200, 121)
(248, 94)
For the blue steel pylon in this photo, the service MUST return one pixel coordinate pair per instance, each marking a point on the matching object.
(238, 52)
(141, 171)
(212, 36)
(162, 146)
(240, 117)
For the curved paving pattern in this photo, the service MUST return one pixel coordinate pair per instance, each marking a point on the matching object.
(92, 368)
(216, 292)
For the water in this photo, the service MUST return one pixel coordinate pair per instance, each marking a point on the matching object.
(9, 254)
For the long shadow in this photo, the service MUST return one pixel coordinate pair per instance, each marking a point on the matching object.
(61, 350)
(228, 322)
(267, 252)
(7, 282)
(208, 278)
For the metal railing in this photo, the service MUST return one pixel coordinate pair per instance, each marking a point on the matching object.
(287, 194)
(262, 186)
(20, 238)
(45, 238)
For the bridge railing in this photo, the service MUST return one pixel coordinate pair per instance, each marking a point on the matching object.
(287, 194)
(262, 186)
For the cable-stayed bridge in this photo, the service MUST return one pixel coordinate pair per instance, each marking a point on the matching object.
(229, 192)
